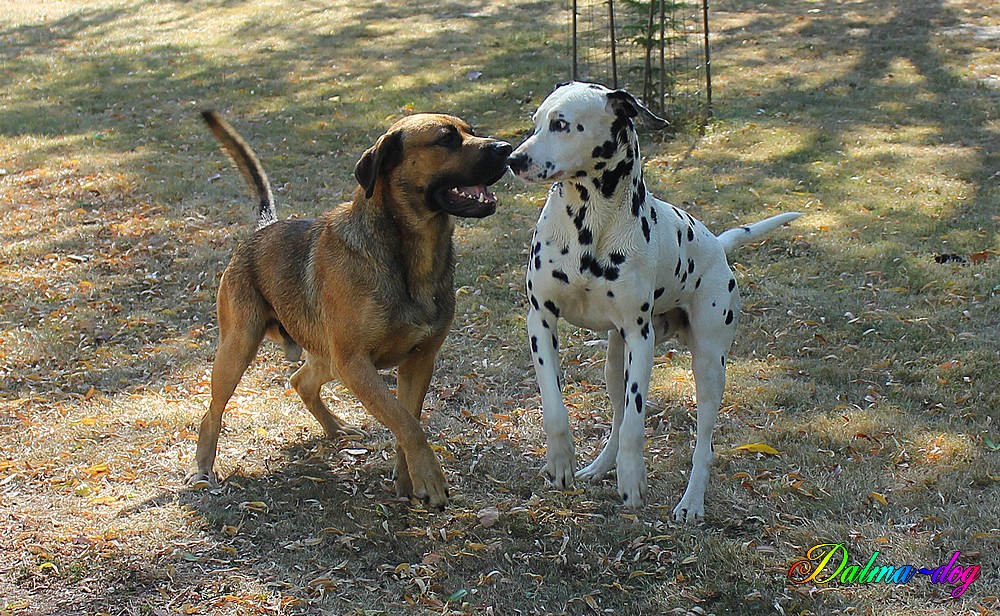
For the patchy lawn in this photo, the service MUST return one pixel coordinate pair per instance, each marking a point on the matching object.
(867, 359)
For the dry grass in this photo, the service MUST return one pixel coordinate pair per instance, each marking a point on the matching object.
(868, 365)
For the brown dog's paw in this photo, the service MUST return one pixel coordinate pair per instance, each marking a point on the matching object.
(200, 480)
(404, 486)
(337, 430)
(427, 482)
(350, 433)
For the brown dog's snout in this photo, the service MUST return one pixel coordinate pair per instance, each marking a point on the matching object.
(501, 149)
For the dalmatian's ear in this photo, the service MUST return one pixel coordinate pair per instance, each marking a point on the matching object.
(378, 159)
(624, 103)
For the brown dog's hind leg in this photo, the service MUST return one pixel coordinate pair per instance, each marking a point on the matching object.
(414, 377)
(237, 348)
(308, 382)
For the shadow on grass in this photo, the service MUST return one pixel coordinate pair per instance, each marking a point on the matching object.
(109, 141)
(936, 105)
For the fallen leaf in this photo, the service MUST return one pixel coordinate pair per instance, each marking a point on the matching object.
(96, 469)
(258, 506)
(875, 496)
(46, 566)
(488, 516)
(760, 448)
(981, 256)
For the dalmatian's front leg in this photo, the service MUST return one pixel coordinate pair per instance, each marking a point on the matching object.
(543, 334)
(614, 376)
(639, 346)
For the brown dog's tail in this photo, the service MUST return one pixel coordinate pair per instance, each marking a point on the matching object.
(246, 161)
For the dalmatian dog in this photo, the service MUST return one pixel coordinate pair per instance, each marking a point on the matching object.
(608, 256)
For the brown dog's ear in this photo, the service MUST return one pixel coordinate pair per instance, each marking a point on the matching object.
(381, 157)
(623, 102)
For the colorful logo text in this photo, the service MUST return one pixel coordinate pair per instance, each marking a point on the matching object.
(827, 562)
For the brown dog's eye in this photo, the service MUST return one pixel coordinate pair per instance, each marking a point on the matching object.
(449, 140)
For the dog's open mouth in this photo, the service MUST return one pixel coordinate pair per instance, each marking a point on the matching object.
(468, 201)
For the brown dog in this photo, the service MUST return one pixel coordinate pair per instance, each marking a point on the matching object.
(366, 286)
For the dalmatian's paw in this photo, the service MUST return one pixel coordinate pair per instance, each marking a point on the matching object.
(560, 462)
(690, 509)
(632, 484)
(596, 470)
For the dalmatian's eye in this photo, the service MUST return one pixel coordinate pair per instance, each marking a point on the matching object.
(559, 126)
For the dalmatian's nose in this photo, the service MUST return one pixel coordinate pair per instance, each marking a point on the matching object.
(518, 162)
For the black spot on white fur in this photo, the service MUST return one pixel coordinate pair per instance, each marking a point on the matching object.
(606, 150)
(611, 178)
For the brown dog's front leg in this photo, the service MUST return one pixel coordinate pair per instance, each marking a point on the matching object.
(413, 380)
(426, 478)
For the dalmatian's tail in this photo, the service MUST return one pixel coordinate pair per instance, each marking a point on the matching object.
(734, 238)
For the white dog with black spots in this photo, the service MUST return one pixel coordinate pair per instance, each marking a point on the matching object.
(608, 256)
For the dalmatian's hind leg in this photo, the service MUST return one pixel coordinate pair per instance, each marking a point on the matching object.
(614, 376)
